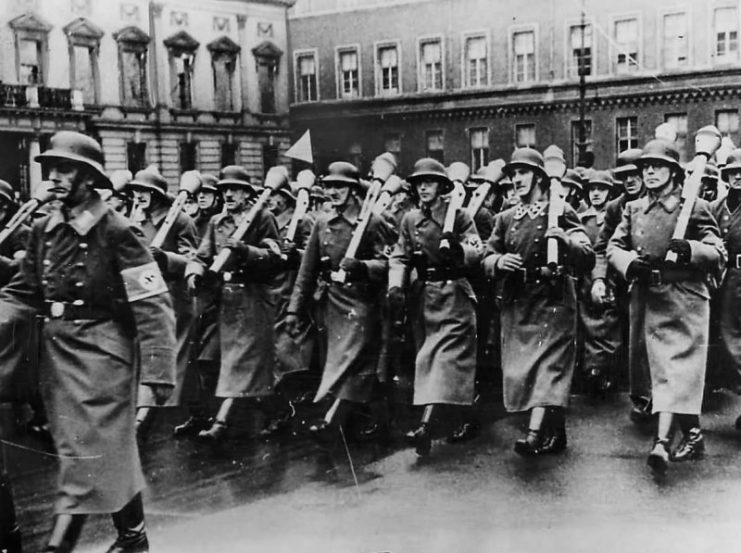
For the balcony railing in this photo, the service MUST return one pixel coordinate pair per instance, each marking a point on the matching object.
(28, 96)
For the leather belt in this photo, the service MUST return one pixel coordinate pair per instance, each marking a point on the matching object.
(74, 311)
(438, 274)
(667, 276)
(535, 274)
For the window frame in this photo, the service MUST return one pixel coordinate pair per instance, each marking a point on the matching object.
(30, 27)
(613, 51)
(339, 77)
(421, 69)
(428, 134)
(567, 48)
(132, 39)
(178, 45)
(512, 30)
(472, 152)
(297, 55)
(82, 33)
(377, 75)
(226, 49)
(465, 36)
(589, 123)
(712, 34)
(727, 110)
(519, 126)
(628, 118)
(661, 27)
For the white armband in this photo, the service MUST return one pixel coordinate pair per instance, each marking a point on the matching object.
(143, 282)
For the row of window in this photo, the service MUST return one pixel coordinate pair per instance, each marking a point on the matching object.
(626, 136)
(625, 40)
(31, 42)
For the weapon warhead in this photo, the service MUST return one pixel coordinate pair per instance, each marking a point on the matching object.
(190, 181)
(152, 168)
(392, 185)
(726, 147)
(276, 178)
(305, 179)
(383, 167)
(120, 179)
(666, 131)
(554, 162)
(459, 172)
(707, 140)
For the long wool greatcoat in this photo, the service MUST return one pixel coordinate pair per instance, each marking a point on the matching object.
(538, 317)
(292, 354)
(729, 295)
(179, 246)
(93, 259)
(348, 316)
(443, 312)
(246, 309)
(669, 321)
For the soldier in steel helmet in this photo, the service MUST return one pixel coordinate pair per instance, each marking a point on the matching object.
(538, 306)
(444, 315)
(99, 289)
(599, 324)
(669, 307)
(727, 213)
(607, 283)
(209, 203)
(347, 314)
(149, 190)
(246, 305)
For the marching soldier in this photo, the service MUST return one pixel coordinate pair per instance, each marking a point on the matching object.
(99, 288)
(209, 203)
(149, 190)
(348, 315)
(599, 321)
(669, 308)
(538, 309)
(605, 278)
(728, 215)
(246, 307)
(711, 187)
(442, 300)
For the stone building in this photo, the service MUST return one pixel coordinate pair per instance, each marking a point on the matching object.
(180, 84)
(469, 80)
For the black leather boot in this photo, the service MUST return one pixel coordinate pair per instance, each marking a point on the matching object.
(555, 441)
(532, 444)
(129, 522)
(420, 439)
(691, 447)
(65, 534)
(191, 427)
(658, 458)
(216, 434)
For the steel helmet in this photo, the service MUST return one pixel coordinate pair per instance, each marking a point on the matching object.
(236, 175)
(601, 177)
(529, 158)
(286, 190)
(733, 163)
(661, 151)
(6, 192)
(573, 178)
(208, 183)
(429, 168)
(79, 148)
(342, 172)
(148, 179)
(626, 162)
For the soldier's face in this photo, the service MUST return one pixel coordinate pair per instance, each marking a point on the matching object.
(598, 195)
(69, 182)
(337, 195)
(206, 199)
(633, 184)
(523, 181)
(235, 198)
(656, 175)
(143, 197)
(428, 190)
(277, 204)
(734, 179)
(190, 207)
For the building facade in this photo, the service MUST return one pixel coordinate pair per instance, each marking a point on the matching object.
(469, 80)
(180, 84)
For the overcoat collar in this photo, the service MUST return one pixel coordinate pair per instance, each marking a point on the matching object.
(81, 218)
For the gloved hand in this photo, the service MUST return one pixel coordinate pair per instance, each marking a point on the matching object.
(639, 269)
(509, 262)
(453, 254)
(290, 255)
(683, 250)
(194, 282)
(293, 325)
(599, 292)
(355, 269)
(240, 249)
(160, 257)
(396, 300)
(161, 392)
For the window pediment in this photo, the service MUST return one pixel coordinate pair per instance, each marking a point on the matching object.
(182, 42)
(133, 35)
(223, 45)
(83, 28)
(267, 50)
(29, 22)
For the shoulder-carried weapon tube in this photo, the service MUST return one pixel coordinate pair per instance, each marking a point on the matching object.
(555, 168)
(190, 182)
(41, 196)
(305, 180)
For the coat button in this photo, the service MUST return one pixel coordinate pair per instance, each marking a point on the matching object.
(47, 262)
(83, 245)
(79, 284)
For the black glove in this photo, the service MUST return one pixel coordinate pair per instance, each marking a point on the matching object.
(683, 250)
(293, 325)
(396, 300)
(160, 257)
(639, 268)
(355, 269)
(290, 254)
(240, 249)
(453, 254)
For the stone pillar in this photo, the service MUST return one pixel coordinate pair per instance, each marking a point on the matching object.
(243, 71)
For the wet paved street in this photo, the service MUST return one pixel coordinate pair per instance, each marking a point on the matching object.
(286, 496)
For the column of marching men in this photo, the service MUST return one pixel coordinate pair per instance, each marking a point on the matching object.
(238, 300)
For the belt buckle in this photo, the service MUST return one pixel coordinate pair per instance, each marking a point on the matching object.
(655, 279)
(56, 309)
(227, 276)
(738, 261)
